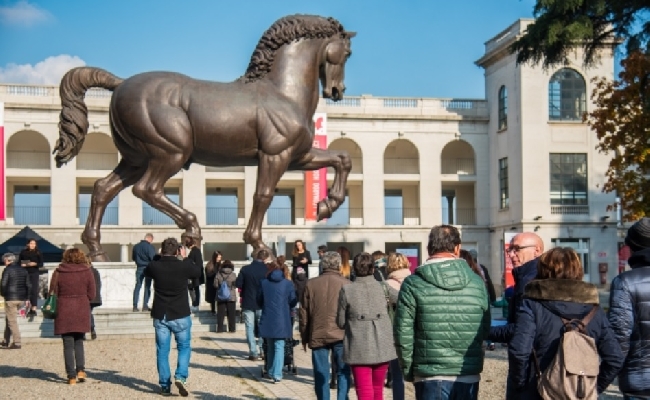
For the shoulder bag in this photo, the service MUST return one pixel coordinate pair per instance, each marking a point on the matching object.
(49, 309)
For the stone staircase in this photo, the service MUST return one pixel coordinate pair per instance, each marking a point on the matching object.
(109, 324)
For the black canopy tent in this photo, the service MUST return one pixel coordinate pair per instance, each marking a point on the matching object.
(17, 243)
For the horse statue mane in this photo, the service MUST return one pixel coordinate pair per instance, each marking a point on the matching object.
(284, 31)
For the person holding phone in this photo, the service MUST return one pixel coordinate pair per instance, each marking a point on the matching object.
(32, 260)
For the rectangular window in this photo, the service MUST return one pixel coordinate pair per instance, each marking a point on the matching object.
(222, 206)
(393, 207)
(568, 173)
(581, 246)
(504, 196)
(281, 211)
(31, 205)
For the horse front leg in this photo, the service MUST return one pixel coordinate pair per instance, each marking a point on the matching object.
(269, 172)
(104, 192)
(342, 164)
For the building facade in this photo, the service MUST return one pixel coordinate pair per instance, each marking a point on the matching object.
(519, 160)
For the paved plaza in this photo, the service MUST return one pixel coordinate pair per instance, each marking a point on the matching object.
(126, 368)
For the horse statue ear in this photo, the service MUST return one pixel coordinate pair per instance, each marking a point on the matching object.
(349, 35)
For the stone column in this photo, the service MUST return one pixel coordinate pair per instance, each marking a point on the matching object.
(124, 253)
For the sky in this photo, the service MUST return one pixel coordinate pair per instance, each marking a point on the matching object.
(407, 48)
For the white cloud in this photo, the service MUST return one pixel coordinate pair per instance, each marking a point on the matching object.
(23, 13)
(47, 72)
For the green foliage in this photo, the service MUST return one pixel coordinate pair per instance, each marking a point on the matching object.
(561, 25)
(621, 121)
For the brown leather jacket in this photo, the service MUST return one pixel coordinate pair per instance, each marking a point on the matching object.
(318, 308)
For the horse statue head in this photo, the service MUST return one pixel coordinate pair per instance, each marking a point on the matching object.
(332, 70)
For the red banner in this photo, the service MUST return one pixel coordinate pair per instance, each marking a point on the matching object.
(316, 181)
(3, 203)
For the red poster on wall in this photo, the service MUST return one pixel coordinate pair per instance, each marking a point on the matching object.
(3, 185)
(316, 181)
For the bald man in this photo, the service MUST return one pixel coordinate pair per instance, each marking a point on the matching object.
(525, 248)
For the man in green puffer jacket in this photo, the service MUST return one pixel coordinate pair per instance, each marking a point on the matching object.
(441, 321)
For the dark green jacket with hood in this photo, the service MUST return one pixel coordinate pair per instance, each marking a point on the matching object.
(441, 321)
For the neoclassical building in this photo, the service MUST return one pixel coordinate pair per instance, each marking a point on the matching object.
(519, 160)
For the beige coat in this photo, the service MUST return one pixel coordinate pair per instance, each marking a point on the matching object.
(396, 278)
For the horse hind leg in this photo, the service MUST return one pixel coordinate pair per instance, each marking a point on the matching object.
(151, 189)
(104, 192)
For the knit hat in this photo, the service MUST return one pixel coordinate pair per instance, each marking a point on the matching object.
(638, 236)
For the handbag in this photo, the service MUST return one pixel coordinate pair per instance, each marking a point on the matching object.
(49, 309)
(389, 307)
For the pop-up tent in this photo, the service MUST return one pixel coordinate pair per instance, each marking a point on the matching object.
(17, 243)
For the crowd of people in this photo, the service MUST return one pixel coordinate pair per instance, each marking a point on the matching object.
(373, 320)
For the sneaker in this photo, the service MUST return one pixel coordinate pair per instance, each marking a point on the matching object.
(93, 335)
(182, 387)
(146, 309)
(81, 376)
(72, 381)
(276, 380)
(253, 358)
(135, 309)
(165, 391)
(4, 344)
(14, 346)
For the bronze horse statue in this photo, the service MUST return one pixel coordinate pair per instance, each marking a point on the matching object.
(163, 121)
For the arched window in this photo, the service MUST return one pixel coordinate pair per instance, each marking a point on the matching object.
(567, 95)
(503, 108)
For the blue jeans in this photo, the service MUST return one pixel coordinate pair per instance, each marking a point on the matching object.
(275, 353)
(398, 380)
(445, 390)
(139, 277)
(182, 330)
(252, 318)
(320, 358)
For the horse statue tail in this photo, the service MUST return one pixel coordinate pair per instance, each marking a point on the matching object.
(73, 121)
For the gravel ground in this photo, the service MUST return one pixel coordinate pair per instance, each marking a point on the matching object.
(126, 368)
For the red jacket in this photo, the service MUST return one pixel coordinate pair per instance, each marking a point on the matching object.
(75, 287)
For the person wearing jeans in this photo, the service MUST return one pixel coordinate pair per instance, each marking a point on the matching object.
(182, 330)
(248, 281)
(276, 298)
(171, 313)
(142, 254)
(318, 329)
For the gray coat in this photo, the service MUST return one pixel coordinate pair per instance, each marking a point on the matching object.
(225, 274)
(364, 316)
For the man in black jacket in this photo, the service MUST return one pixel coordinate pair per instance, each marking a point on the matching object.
(629, 314)
(171, 312)
(525, 248)
(248, 281)
(15, 289)
(142, 254)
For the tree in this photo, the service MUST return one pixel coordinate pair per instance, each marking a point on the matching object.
(560, 25)
(621, 121)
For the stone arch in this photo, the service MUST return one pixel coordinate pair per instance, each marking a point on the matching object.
(97, 153)
(28, 149)
(458, 158)
(401, 156)
(353, 149)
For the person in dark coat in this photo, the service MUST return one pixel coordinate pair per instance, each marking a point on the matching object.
(31, 259)
(142, 254)
(486, 276)
(74, 285)
(226, 307)
(248, 281)
(524, 250)
(15, 289)
(301, 258)
(196, 257)
(211, 269)
(557, 292)
(96, 301)
(276, 297)
(300, 281)
(629, 314)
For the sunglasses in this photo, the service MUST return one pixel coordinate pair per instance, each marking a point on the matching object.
(515, 248)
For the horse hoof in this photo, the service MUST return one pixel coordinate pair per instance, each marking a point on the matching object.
(98, 256)
(324, 210)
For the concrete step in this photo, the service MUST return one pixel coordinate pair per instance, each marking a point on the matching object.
(109, 323)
